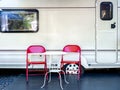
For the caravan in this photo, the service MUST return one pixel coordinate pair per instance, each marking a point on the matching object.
(94, 25)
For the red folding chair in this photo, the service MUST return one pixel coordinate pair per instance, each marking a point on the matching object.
(38, 59)
(72, 49)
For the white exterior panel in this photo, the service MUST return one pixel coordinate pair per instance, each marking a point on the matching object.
(47, 3)
(57, 27)
(63, 22)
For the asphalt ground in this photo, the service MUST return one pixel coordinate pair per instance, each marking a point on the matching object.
(97, 79)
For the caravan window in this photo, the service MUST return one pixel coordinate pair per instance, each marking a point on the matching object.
(19, 20)
(106, 10)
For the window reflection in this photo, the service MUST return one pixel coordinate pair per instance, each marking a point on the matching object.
(106, 11)
(19, 20)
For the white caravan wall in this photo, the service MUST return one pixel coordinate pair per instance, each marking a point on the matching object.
(118, 3)
(57, 27)
(118, 28)
(47, 3)
(61, 22)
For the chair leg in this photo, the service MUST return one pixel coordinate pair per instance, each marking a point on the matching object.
(78, 76)
(60, 80)
(79, 72)
(27, 74)
(65, 77)
(49, 78)
(44, 79)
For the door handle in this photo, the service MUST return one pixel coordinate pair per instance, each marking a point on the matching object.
(113, 25)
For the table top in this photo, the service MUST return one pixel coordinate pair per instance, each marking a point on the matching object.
(50, 53)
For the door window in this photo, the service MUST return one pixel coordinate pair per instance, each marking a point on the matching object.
(106, 10)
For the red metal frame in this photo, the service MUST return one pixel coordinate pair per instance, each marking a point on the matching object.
(72, 48)
(35, 49)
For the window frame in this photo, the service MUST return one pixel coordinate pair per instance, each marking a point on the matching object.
(20, 31)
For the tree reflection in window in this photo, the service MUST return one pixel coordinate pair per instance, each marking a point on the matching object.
(13, 20)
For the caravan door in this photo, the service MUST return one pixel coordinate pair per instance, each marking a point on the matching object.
(106, 31)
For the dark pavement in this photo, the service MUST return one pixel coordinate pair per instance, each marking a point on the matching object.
(90, 80)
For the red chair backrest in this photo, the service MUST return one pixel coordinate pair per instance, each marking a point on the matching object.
(36, 49)
(71, 48)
